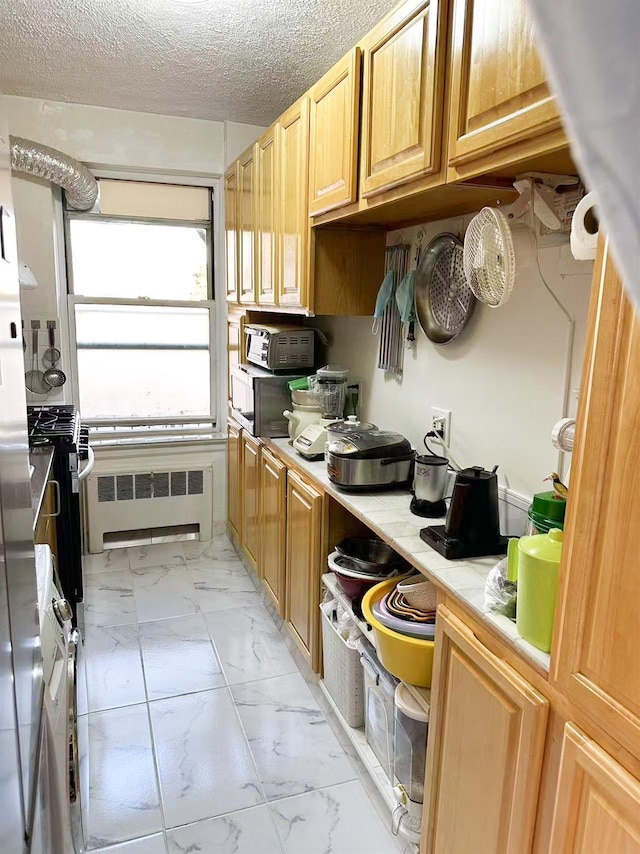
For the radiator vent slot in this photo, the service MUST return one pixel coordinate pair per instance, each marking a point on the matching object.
(144, 485)
(195, 481)
(124, 487)
(149, 485)
(106, 488)
(178, 483)
(161, 485)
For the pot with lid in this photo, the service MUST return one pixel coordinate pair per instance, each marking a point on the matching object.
(369, 459)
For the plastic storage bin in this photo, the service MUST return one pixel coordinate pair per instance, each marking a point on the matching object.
(410, 744)
(343, 677)
(379, 692)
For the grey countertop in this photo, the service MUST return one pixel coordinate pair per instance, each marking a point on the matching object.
(388, 515)
(41, 459)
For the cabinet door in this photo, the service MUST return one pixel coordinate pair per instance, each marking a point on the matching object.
(231, 231)
(247, 227)
(403, 60)
(250, 499)
(273, 507)
(234, 466)
(304, 524)
(293, 209)
(333, 136)
(267, 206)
(499, 94)
(597, 802)
(595, 662)
(486, 744)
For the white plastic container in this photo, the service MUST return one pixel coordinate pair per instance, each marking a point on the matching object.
(410, 743)
(379, 691)
(343, 677)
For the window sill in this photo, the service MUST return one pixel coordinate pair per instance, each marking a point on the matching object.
(154, 442)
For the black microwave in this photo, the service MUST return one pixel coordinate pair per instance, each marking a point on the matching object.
(258, 399)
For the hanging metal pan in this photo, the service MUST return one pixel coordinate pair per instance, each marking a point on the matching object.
(444, 300)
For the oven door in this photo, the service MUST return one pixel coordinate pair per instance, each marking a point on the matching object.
(242, 396)
(77, 749)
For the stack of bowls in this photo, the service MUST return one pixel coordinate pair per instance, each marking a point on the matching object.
(359, 563)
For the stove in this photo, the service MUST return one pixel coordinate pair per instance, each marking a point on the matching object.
(61, 426)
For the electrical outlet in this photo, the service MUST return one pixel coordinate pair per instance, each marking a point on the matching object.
(441, 423)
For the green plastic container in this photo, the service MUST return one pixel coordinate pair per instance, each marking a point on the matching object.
(534, 562)
(546, 512)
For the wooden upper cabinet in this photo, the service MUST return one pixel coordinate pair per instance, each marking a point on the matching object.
(273, 515)
(597, 807)
(266, 217)
(247, 226)
(250, 498)
(595, 660)
(333, 136)
(293, 208)
(231, 231)
(304, 530)
(485, 750)
(402, 92)
(234, 466)
(499, 93)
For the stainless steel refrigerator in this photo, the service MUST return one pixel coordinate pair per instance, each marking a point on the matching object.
(21, 683)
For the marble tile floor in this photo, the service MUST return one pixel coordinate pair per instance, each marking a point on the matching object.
(203, 735)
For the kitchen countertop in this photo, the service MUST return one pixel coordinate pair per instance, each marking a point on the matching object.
(41, 459)
(388, 515)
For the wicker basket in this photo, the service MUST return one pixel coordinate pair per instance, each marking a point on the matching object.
(419, 592)
(343, 677)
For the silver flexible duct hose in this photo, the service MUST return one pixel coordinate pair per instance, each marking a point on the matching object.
(76, 180)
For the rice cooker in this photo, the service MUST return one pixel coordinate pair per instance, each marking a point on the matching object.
(369, 459)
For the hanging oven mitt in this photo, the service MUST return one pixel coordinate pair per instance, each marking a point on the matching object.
(383, 299)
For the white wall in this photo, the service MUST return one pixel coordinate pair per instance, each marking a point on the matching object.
(237, 137)
(502, 379)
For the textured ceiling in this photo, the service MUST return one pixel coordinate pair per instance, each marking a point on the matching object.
(241, 60)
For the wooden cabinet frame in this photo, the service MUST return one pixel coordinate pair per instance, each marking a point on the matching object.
(246, 219)
(397, 107)
(452, 776)
(231, 231)
(344, 152)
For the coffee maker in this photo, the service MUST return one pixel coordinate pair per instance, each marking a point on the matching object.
(472, 526)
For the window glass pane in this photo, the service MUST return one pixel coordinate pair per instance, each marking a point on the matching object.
(143, 361)
(138, 259)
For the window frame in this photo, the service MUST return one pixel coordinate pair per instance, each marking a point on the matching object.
(129, 424)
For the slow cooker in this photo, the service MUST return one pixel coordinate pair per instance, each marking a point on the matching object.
(369, 459)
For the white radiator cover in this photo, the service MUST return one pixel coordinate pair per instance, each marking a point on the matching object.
(129, 499)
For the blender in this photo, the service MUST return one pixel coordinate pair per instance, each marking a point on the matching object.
(328, 389)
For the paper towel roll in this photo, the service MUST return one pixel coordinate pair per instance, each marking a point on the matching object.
(584, 229)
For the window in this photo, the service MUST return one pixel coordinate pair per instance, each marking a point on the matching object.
(141, 310)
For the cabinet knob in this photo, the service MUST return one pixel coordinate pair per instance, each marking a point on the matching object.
(62, 610)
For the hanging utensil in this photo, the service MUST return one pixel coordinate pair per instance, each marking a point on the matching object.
(444, 301)
(55, 376)
(34, 379)
(51, 355)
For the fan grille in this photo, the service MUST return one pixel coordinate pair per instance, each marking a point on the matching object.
(489, 257)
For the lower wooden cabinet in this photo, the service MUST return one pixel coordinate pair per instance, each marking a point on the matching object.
(234, 473)
(597, 801)
(273, 513)
(304, 532)
(250, 498)
(486, 745)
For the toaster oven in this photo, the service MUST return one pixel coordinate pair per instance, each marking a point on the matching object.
(284, 347)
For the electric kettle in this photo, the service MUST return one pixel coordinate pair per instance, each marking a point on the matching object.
(472, 526)
(533, 562)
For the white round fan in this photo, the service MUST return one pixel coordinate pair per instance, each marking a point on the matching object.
(490, 257)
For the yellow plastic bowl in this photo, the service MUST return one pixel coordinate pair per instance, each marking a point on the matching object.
(410, 659)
